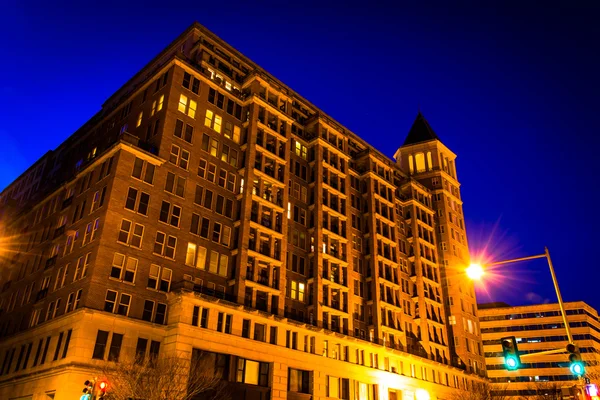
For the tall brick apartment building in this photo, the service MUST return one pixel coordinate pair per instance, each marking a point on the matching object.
(208, 206)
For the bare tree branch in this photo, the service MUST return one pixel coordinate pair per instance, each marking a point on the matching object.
(482, 391)
(165, 378)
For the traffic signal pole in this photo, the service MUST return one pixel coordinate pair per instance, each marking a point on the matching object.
(546, 255)
(558, 295)
(575, 356)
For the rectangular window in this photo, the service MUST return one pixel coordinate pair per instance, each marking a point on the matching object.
(148, 310)
(187, 106)
(299, 381)
(179, 157)
(161, 314)
(246, 328)
(252, 372)
(140, 350)
(195, 316)
(183, 131)
(110, 301)
(100, 346)
(170, 214)
(143, 170)
(67, 341)
(260, 332)
(165, 245)
(115, 347)
(204, 318)
(175, 184)
(124, 268)
(130, 233)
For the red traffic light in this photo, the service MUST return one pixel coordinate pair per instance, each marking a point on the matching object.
(103, 385)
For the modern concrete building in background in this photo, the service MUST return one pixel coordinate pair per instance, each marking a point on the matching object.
(537, 328)
(209, 206)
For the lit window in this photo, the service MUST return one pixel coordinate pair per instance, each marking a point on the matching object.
(182, 103)
(139, 120)
(420, 162)
(218, 121)
(208, 118)
(187, 106)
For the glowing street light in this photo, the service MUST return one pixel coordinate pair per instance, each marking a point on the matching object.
(422, 394)
(475, 272)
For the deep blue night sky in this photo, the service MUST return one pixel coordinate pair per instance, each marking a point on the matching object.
(513, 91)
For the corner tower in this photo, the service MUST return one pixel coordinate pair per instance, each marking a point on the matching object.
(428, 161)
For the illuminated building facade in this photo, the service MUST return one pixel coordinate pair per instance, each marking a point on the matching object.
(209, 207)
(537, 328)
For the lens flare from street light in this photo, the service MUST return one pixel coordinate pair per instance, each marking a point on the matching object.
(475, 272)
(422, 394)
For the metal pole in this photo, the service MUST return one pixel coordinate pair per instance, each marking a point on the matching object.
(560, 302)
(515, 260)
(540, 353)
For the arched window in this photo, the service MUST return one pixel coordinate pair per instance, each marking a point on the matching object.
(410, 164)
(420, 162)
(429, 161)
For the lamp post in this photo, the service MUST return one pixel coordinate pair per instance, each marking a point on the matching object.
(476, 271)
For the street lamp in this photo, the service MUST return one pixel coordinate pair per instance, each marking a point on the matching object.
(475, 272)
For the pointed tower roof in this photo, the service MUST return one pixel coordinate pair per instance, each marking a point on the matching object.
(420, 132)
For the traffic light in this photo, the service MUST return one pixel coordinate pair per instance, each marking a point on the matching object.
(511, 353)
(88, 390)
(575, 362)
(102, 386)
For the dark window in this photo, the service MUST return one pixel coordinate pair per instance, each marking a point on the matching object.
(298, 381)
(246, 328)
(20, 358)
(195, 223)
(45, 353)
(9, 363)
(228, 319)
(195, 315)
(273, 335)
(204, 319)
(187, 78)
(205, 142)
(259, 332)
(161, 312)
(67, 341)
(26, 360)
(100, 346)
(154, 349)
(131, 198)
(198, 195)
(220, 322)
(58, 344)
(204, 227)
(164, 212)
(37, 353)
(143, 206)
(140, 350)
(148, 310)
(208, 199)
(115, 347)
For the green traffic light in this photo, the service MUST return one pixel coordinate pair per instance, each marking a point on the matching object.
(511, 363)
(577, 368)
